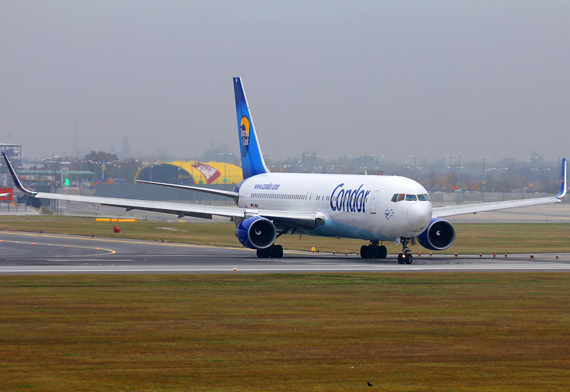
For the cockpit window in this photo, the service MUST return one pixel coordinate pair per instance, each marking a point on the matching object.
(402, 196)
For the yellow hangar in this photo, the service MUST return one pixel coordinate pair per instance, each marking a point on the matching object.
(191, 173)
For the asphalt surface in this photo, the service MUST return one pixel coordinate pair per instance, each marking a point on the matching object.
(27, 253)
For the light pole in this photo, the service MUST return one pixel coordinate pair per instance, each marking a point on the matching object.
(483, 180)
(458, 169)
(406, 167)
(414, 168)
(225, 154)
(377, 157)
(54, 167)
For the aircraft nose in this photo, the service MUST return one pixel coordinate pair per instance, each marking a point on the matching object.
(419, 214)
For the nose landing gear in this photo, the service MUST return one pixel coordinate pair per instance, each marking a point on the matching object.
(373, 251)
(405, 257)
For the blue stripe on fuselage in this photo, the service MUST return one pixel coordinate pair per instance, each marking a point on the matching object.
(332, 228)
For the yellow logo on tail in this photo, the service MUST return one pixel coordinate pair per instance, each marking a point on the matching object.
(244, 135)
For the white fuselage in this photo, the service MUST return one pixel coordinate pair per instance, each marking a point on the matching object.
(354, 206)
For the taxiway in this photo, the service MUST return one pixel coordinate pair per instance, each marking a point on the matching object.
(30, 253)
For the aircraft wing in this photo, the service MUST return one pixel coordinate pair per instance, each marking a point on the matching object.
(286, 218)
(180, 209)
(440, 212)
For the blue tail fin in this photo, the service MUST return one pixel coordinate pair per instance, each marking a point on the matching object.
(252, 162)
(562, 189)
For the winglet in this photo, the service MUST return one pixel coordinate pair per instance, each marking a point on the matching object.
(562, 190)
(15, 177)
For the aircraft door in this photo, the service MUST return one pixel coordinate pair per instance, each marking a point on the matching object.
(308, 199)
(373, 202)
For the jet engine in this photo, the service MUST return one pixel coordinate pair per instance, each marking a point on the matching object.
(256, 233)
(439, 235)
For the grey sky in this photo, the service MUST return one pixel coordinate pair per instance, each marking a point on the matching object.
(362, 77)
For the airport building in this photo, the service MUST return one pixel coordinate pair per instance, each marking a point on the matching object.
(191, 173)
(14, 154)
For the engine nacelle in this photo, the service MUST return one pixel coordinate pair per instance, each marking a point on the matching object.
(439, 235)
(256, 233)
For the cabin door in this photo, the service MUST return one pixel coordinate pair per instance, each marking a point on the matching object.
(373, 202)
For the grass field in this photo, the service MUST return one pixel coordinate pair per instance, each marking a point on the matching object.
(471, 238)
(317, 332)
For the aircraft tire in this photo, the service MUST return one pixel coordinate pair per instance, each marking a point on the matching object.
(401, 258)
(277, 251)
(382, 252)
(409, 259)
(274, 251)
(365, 251)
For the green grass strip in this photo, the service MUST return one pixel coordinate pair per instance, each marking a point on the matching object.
(472, 238)
(316, 332)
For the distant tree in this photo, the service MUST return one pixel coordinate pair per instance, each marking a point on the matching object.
(101, 157)
(124, 169)
(432, 182)
(94, 161)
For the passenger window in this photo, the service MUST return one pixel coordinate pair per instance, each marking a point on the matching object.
(401, 197)
(411, 198)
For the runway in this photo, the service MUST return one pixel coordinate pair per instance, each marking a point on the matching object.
(29, 253)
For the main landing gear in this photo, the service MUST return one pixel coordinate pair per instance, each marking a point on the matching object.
(274, 251)
(405, 257)
(373, 251)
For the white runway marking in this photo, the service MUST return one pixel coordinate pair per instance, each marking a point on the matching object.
(283, 269)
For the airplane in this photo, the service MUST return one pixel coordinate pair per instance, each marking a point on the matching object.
(376, 209)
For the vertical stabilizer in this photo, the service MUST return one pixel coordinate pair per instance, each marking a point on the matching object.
(252, 162)
(562, 189)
